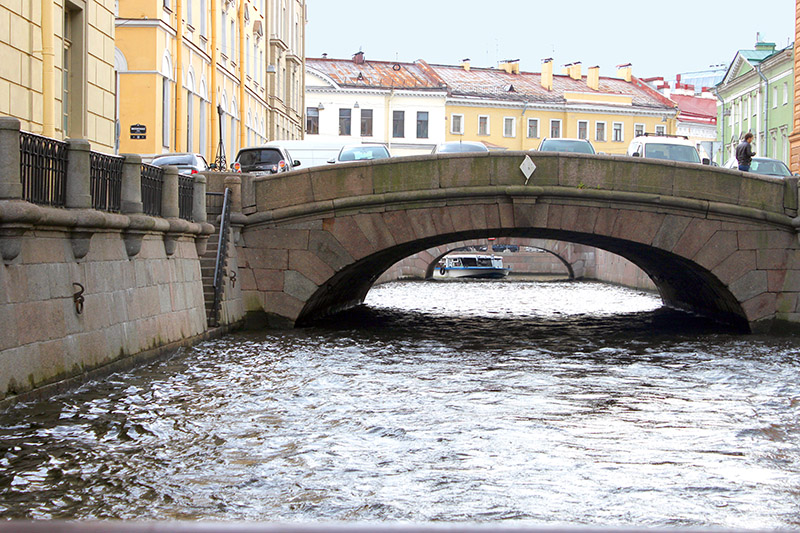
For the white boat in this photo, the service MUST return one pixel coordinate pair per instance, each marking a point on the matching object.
(471, 266)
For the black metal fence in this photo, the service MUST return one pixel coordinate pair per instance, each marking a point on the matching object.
(106, 181)
(185, 196)
(43, 165)
(152, 187)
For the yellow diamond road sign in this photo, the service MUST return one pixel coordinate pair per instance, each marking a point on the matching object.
(527, 167)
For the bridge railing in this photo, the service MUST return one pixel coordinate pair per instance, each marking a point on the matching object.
(68, 174)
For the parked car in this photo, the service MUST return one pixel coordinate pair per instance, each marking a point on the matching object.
(264, 160)
(576, 146)
(361, 152)
(763, 165)
(669, 147)
(186, 162)
(457, 147)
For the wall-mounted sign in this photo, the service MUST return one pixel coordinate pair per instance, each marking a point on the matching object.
(138, 131)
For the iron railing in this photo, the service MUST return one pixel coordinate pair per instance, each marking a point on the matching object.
(106, 181)
(222, 255)
(43, 169)
(152, 187)
(185, 196)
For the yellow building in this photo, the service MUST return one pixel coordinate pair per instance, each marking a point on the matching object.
(57, 68)
(208, 76)
(508, 109)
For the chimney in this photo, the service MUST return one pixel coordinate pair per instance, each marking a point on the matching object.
(625, 72)
(510, 66)
(547, 73)
(465, 64)
(593, 78)
(575, 70)
(358, 58)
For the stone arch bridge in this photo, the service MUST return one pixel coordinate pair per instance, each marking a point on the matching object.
(715, 242)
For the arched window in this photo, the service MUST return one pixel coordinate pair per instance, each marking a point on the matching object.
(166, 99)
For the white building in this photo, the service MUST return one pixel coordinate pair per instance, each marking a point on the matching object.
(357, 101)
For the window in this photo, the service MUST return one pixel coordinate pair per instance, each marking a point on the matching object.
(202, 17)
(457, 124)
(774, 97)
(224, 40)
(73, 72)
(555, 129)
(483, 125)
(533, 128)
(165, 114)
(366, 122)
(312, 120)
(661, 129)
(638, 130)
(189, 122)
(344, 121)
(785, 93)
(509, 127)
(617, 135)
(398, 124)
(583, 129)
(600, 131)
(422, 124)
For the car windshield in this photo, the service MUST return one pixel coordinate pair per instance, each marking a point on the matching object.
(364, 153)
(459, 147)
(769, 167)
(672, 152)
(264, 156)
(176, 160)
(561, 145)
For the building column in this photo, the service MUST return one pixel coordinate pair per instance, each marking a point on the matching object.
(794, 137)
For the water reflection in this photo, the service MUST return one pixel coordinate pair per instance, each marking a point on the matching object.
(536, 403)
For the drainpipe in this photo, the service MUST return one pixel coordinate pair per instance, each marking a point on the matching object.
(724, 143)
(214, 95)
(179, 140)
(766, 109)
(242, 80)
(48, 66)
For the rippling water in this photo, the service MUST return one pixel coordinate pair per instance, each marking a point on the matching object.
(529, 403)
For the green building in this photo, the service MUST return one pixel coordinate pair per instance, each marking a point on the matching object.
(756, 96)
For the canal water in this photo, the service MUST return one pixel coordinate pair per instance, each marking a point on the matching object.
(514, 403)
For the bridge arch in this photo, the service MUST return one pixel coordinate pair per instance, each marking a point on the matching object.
(572, 259)
(714, 241)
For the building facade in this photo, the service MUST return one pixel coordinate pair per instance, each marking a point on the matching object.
(508, 109)
(207, 76)
(57, 71)
(756, 96)
(794, 138)
(355, 100)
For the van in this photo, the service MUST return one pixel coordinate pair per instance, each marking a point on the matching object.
(668, 147)
(312, 153)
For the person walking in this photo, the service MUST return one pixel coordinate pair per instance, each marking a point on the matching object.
(745, 153)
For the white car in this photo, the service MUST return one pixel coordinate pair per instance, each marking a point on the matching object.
(669, 147)
(763, 165)
(361, 152)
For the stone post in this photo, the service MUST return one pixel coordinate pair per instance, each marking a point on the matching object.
(78, 188)
(169, 194)
(234, 183)
(199, 213)
(132, 185)
(10, 175)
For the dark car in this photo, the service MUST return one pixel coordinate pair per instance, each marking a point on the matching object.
(576, 146)
(458, 147)
(264, 160)
(361, 152)
(186, 162)
(764, 165)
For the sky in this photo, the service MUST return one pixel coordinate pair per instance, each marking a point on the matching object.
(658, 39)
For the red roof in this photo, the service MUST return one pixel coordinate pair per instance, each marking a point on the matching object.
(695, 109)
